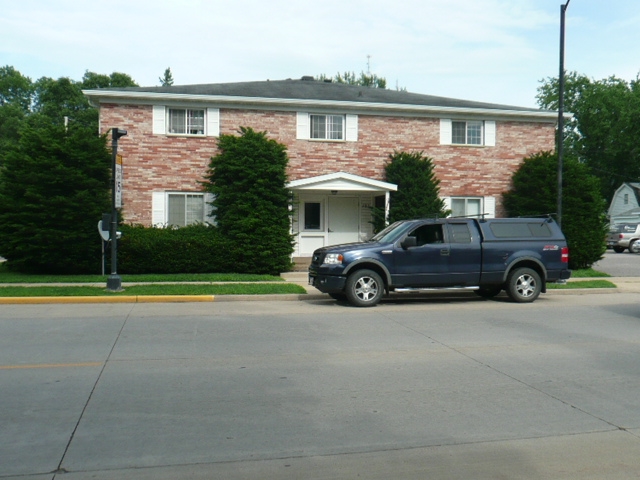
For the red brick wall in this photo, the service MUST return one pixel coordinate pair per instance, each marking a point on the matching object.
(161, 163)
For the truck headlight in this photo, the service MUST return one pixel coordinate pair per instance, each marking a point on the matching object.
(333, 259)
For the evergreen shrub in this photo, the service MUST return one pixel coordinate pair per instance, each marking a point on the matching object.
(195, 248)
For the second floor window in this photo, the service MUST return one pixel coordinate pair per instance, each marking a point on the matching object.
(466, 133)
(186, 121)
(327, 127)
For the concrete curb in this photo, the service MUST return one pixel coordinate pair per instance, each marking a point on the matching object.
(241, 298)
(156, 299)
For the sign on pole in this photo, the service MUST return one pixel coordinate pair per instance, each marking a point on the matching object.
(118, 185)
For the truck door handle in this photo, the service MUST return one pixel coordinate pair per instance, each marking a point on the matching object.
(445, 252)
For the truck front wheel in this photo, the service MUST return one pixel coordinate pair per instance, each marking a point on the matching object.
(523, 285)
(364, 288)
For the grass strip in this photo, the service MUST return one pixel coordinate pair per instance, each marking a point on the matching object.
(7, 276)
(581, 284)
(273, 288)
(588, 273)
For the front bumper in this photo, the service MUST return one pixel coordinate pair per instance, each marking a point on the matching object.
(327, 283)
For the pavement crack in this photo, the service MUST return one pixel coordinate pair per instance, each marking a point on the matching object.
(60, 469)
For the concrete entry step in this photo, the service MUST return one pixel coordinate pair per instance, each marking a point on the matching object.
(301, 264)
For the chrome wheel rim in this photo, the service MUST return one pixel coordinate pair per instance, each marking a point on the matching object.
(526, 285)
(366, 289)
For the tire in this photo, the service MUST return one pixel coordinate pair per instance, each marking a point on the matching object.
(619, 249)
(488, 292)
(364, 288)
(634, 246)
(523, 285)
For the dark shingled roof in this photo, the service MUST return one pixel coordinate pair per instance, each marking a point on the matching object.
(307, 88)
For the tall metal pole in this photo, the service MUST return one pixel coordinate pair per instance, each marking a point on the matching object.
(114, 282)
(560, 148)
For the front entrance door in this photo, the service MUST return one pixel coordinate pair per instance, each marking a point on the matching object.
(343, 220)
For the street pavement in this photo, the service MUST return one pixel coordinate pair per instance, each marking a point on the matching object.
(438, 388)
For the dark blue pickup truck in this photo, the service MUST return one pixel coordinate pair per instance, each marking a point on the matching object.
(518, 255)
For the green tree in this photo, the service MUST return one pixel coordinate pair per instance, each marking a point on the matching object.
(167, 79)
(16, 93)
(605, 126)
(15, 89)
(363, 80)
(534, 193)
(418, 187)
(92, 80)
(248, 179)
(54, 186)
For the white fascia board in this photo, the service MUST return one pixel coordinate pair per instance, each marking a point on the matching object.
(341, 181)
(112, 96)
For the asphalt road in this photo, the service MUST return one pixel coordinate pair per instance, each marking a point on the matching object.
(440, 388)
(619, 264)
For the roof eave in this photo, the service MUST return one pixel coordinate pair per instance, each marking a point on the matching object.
(113, 96)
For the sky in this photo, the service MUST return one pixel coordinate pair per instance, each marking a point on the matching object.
(495, 51)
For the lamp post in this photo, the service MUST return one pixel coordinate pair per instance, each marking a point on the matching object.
(563, 10)
(114, 282)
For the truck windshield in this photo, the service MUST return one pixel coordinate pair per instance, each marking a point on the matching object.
(392, 233)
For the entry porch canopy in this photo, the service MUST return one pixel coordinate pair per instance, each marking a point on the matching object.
(342, 181)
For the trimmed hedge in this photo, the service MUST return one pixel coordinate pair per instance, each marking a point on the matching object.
(193, 249)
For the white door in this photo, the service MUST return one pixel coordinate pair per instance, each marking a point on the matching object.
(343, 220)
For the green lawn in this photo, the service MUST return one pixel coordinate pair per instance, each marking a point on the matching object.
(235, 284)
(138, 290)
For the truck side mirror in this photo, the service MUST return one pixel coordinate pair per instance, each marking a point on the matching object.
(409, 242)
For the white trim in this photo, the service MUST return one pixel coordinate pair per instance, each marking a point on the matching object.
(490, 133)
(158, 209)
(489, 207)
(351, 134)
(124, 97)
(445, 131)
(302, 126)
(159, 120)
(341, 181)
(213, 122)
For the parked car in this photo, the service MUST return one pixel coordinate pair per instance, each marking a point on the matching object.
(624, 236)
(518, 255)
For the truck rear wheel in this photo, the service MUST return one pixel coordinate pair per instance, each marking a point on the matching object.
(364, 288)
(523, 285)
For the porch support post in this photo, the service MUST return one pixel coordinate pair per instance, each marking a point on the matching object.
(386, 207)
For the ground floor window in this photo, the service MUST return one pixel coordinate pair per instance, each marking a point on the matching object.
(466, 207)
(185, 209)
(312, 216)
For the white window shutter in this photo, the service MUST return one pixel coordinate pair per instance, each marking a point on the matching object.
(213, 122)
(159, 120)
(447, 203)
(209, 211)
(303, 132)
(489, 207)
(158, 209)
(445, 131)
(490, 133)
(352, 128)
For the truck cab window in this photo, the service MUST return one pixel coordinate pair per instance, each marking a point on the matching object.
(428, 234)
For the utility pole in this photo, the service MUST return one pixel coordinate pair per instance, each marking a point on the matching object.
(114, 282)
(563, 10)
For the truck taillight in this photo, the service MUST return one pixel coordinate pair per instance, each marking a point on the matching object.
(565, 255)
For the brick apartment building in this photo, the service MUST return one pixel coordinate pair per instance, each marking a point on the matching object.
(338, 139)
